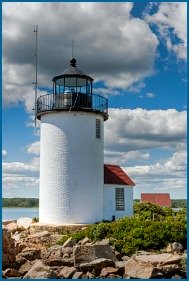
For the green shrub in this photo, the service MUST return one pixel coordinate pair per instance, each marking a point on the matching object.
(143, 231)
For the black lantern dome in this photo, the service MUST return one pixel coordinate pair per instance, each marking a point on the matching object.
(73, 78)
(72, 90)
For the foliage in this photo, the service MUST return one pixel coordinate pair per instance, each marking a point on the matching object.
(178, 203)
(35, 219)
(20, 202)
(151, 227)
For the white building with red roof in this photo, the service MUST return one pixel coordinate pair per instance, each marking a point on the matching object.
(118, 193)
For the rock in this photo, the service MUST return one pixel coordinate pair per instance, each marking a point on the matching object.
(169, 248)
(143, 253)
(69, 243)
(139, 269)
(67, 272)
(174, 247)
(120, 265)
(8, 251)
(39, 270)
(12, 226)
(27, 243)
(96, 265)
(11, 272)
(31, 254)
(107, 271)
(89, 275)
(114, 276)
(41, 234)
(78, 275)
(176, 277)
(26, 267)
(24, 222)
(125, 258)
(159, 259)
(118, 255)
(4, 223)
(84, 241)
(177, 247)
(88, 253)
(57, 256)
(16, 236)
(20, 260)
(54, 238)
(170, 269)
(105, 241)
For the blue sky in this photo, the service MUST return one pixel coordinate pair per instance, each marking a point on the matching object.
(136, 52)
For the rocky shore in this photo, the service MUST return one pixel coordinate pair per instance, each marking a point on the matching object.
(30, 251)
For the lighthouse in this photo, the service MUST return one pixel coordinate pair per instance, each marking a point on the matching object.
(71, 150)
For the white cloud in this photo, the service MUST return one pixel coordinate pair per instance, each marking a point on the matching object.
(107, 45)
(131, 130)
(164, 176)
(34, 148)
(171, 19)
(121, 158)
(4, 153)
(150, 95)
(19, 174)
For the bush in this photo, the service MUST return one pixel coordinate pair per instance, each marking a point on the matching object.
(141, 232)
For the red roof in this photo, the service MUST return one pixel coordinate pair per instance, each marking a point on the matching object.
(113, 174)
(161, 199)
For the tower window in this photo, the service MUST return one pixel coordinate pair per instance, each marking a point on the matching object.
(98, 136)
(119, 199)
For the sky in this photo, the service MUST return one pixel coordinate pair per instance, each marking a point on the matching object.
(136, 53)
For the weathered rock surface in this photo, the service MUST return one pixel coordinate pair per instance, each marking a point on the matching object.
(78, 275)
(69, 243)
(39, 235)
(107, 271)
(26, 267)
(8, 251)
(11, 272)
(140, 269)
(84, 241)
(96, 265)
(39, 270)
(88, 253)
(58, 255)
(31, 254)
(12, 226)
(67, 272)
(24, 222)
(159, 259)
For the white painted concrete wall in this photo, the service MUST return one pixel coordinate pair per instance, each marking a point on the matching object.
(71, 168)
(109, 202)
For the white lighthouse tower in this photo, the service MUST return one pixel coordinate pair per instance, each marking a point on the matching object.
(71, 150)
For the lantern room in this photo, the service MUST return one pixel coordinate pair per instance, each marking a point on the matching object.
(72, 80)
(72, 90)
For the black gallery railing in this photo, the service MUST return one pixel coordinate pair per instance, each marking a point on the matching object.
(69, 101)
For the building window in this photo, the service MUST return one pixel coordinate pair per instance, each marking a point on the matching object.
(98, 136)
(119, 199)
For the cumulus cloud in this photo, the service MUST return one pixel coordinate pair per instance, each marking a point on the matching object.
(4, 153)
(171, 20)
(34, 148)
(150, 95)
(131, 130)
(17, 174)
(164, 176)
(107, 45)
(122, 158)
